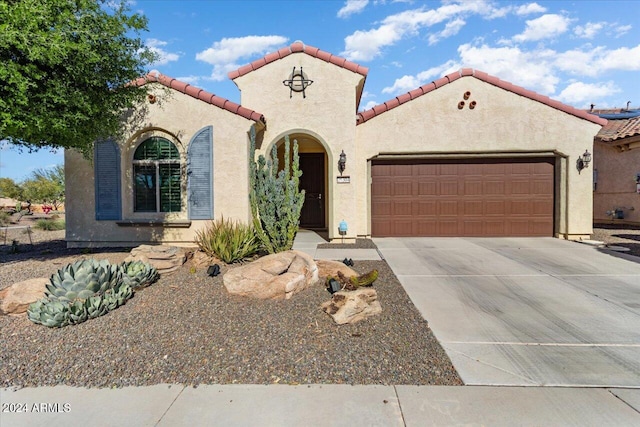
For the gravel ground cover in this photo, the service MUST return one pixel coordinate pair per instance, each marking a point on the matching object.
(187, 329)
(619, 235)
(359, 244)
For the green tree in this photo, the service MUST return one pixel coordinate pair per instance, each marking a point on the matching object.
(8, 188)
(65, 68)
(45, 186)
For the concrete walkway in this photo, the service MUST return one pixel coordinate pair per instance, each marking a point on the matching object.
(319, 405)
(484, 300)
(307, 241)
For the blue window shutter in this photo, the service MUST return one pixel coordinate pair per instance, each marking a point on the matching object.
(200, 173)
(107, 180)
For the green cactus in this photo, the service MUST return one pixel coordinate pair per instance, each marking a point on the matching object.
(354, 282)
(138, 274)
(275, 196)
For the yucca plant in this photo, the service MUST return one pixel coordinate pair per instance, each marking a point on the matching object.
(230, 241)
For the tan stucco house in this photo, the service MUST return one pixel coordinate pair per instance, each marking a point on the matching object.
(465, 155)
(616, 168)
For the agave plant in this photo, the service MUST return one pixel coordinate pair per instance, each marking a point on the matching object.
(138, 274)
(49, 313)
(83, 279)
(83, 290)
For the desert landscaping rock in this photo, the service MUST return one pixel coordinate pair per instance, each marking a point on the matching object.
(166, 259)
(331, 268)
(16, 298)
(353, 306)
(275, 276)
(187, 329)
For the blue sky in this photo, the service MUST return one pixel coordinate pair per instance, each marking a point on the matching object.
(578, 52)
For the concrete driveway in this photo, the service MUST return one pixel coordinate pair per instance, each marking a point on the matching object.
(528, 312)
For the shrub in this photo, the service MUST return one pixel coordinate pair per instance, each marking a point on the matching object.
(4, 218)
(230, 241)
(275, 197)
(50, 225)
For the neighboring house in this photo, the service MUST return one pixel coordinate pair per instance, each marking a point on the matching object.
(465, 155)
(616, 168)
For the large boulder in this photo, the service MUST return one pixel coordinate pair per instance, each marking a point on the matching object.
(166, 259)
(331, 268)
(16, 298)
(352, 306)
(275, 276)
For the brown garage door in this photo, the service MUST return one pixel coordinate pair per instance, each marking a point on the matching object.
(487, 197)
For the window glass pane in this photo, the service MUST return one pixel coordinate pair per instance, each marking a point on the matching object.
(145, 188)
(170, 187)
(156, 148)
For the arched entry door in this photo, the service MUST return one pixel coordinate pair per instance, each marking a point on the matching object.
(313, 164)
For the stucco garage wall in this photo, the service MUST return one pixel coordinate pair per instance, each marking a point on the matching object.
(177, 117)
(616, 186)
(502, 123)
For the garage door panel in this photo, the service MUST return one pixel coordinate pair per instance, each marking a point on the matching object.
(403, 228)
(448, 188)
(427, 188)
(489, 197)
(472, 188)
(427, 208)
(496, 207)
(402, 208)
(402, 188)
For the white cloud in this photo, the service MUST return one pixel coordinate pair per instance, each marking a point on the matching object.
(352, 6)
(545, 27)
(621, 30)
(367, 45)
(407, 83)
(530, 69)
(368, 105)
(598, 60)
(451, 29)
(589, 30)
(193, 80)
(579, 92)
(164, 57)
(527, 9)
(225, 54)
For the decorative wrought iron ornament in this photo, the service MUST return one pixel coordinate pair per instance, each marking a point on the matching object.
(297, 82)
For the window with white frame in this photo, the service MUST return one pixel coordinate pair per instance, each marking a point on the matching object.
(157, 176)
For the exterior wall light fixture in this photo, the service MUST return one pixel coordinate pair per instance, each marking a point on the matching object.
(583, 161)
(342, 163)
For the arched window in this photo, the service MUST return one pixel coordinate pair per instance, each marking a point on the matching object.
(157, 176)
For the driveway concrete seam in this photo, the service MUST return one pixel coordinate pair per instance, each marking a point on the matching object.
(404, 422)
(169, 407)
(475, 359)
(622, 400)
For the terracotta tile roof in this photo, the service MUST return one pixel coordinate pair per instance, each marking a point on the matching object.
(200, 94)
(406, 97)
(294, 48)
(616, 130)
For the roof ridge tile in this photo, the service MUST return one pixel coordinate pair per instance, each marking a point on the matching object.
(363, 116)
(200, 94)
(299, 47)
